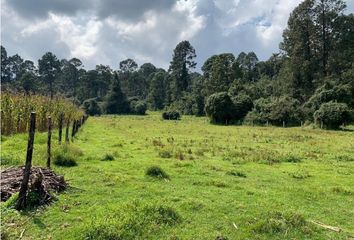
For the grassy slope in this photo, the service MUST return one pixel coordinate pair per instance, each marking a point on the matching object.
(201, 189)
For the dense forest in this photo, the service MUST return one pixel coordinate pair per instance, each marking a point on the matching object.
(310, 79)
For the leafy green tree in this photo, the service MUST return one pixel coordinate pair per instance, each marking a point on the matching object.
(5, 75)
(116, 101)
(218, 71)
(28, 82)
(49, 67)
(342, 54)
(104, 78)
(326, 13)
(180, 67)
(157, 92)
(242, 105)
(333, 114)
(128, 65)
(91, 107)
(219, 108)
(247, 63)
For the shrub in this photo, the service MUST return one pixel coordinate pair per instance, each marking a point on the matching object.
(242, 105)
(107, 157)
(333, 114)
(275, 111)
(91, 107)
(171, 115)
(219, 108)
(157, 172)
(137, 106)
(64, 160)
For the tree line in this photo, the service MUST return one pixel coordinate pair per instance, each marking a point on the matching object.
(310, 79)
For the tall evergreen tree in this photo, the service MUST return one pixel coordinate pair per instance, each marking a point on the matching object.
(157, 90)
(49, 67)
(180, 67)
(116, 102)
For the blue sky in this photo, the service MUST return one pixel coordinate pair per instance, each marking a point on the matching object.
(109, 31)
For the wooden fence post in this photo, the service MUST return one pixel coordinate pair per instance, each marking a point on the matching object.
(49, 141)
(283, 124)
(67, 131)
(60, 126)
(21, 202)
(73, 131)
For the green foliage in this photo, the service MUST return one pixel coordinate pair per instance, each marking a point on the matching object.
(156, 172)
(116, 102)
(137, 107)
(219, 108)
(242, 105)
(333, 114)
(91, 107)
(171, 115)
(277, 111)
(181, 65)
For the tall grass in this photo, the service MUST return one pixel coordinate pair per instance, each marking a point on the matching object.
(16, 109)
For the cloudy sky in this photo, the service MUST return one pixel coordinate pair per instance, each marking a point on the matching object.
(109, 31)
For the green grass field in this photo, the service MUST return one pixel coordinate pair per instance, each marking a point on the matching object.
(220, 182)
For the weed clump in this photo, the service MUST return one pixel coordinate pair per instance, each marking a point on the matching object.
(132, 222)
(237, 174)
(64, 160)
(157, 172)
(65, 155)
(300, 174)
(291, 159)
(107, 157)
(165, 153)
(280, 223)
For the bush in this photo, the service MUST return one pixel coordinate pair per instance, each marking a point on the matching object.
(171, 115)
(137, 107)
(157, 172)
(242, 105)
(219, 108)
(91, 107)
(333, 114)
(275, 111)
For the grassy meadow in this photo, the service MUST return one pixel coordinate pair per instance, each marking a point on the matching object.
(139, 177)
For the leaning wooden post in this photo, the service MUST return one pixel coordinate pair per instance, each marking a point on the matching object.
(49, 141)
(21, 202)
(60, 126)
(67, 131)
